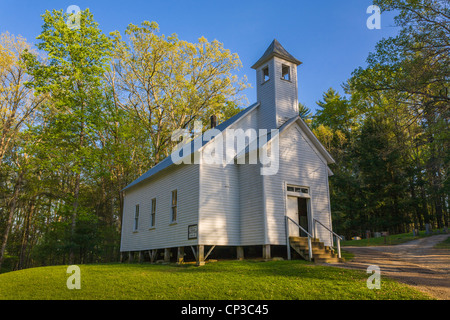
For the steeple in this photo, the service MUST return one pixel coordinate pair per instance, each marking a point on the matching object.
(276, 50)
(276, 90)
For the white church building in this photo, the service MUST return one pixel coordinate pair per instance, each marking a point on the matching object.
(187, 210)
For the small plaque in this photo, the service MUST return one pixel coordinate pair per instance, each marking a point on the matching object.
(192, 231)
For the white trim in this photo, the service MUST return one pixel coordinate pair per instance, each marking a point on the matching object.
(298, 194)
(265, 221)
(309, 137)
(329, 211)
(315, 141)
(308, 198)
(136, 228)
(199, 200)
(151, 227)
(173, 222)
(330, 173)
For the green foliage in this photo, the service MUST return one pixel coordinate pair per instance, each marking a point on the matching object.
(390, 135)
(168, 83)
(415, 65)
(95, 112)
(335, 112)
(304, 112)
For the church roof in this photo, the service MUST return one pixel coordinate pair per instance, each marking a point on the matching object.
(167, 162)
(297, 119)
(275, 50)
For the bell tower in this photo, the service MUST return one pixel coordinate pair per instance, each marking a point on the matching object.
(277, 89)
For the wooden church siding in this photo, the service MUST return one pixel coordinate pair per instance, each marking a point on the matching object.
(300, 164)
(286, 93)
(219, 205)
(183, 178)
(251, 203)
(265, 92)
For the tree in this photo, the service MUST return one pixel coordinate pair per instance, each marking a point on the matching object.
(304, 112)
(17, 101)
(412, 70)
(18, 106)
(167, 83)
(416, 63)
(73, 80)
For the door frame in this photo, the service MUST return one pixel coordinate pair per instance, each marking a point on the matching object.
(306, 196)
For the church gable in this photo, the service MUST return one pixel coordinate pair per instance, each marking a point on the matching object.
(296, 149)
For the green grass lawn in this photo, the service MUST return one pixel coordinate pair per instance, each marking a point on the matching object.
(390, 240)
(444, 244)
(247, 280)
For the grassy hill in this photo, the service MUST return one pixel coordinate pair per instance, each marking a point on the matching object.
(248, 280)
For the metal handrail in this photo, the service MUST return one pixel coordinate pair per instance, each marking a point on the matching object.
(288, 242)
(339, 238)
(299, 226)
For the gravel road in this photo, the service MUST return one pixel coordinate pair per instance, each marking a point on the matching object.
(415, 263)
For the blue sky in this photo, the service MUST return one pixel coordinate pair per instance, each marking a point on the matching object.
(330, 37)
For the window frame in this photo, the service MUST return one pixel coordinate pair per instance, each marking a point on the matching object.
(288, 73)
(153, 213)
(300, 190)
(136, 218)
(174, 207)
(264, 80)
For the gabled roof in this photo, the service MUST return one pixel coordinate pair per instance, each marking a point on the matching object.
(167, 162)
(311, 137)
(275, 50)
(297, 119)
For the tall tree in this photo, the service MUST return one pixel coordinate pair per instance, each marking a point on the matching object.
(17, 101)
(73, 80)
(413, 69)
(168, 83)
(18, 106)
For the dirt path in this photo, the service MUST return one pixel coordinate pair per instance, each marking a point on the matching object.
(415, 263)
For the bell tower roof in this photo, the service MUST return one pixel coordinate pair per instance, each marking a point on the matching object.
(275, 50)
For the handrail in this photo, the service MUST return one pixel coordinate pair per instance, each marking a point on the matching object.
(339, 238)
(288, 242)
(315, 220)
(299, 226)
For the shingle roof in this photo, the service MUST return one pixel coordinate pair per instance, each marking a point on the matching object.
(167, 162)
(275, 50)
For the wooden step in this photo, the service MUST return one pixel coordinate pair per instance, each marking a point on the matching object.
(303, 239)
(314, 250)
(329, 260)
(324, 255)
(314, 245)
(320, 252)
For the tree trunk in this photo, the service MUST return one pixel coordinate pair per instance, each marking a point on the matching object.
(74, 216)
(26, 234)
(12, 208)
(77, 184)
